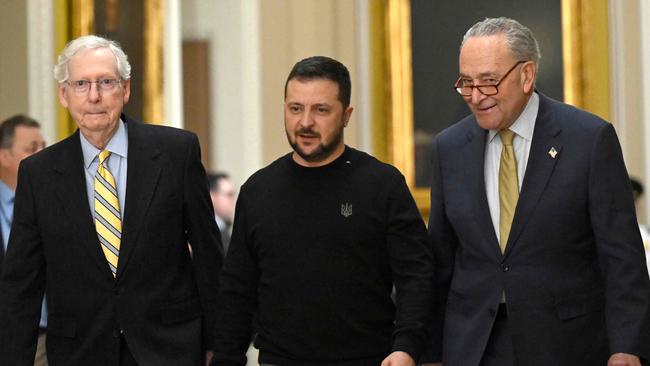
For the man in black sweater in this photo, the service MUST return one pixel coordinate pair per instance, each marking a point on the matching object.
(320, 238)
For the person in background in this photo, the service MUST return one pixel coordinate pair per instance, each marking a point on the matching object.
(637, 192)
(538, 254)
(20, 137)
(224, 198)
(320, 237)
(102, 222)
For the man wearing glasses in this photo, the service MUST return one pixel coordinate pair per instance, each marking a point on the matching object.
(539, 259)
(102, 223)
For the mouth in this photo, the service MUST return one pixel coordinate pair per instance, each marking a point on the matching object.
(485, 109)
(309, 135)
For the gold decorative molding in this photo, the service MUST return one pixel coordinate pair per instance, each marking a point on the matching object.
(153, 62)
(73, 18)
(400, 96)
(585, 53)
(64, 124)
(82, 18)
(378, 76)
(400, 124)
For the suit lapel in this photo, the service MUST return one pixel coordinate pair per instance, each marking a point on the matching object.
(143, 171)
(538, 170)
(70, 187)
(474, 158)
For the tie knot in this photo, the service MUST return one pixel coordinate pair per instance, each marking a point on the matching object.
(103, 155)
(506, 137)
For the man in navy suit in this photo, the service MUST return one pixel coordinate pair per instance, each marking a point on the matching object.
(102, 222)
(538, 255)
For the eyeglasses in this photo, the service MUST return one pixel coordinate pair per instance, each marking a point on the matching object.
(81, 87)
(486, 89)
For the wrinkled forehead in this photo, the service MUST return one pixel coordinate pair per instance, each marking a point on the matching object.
(484, 55)
(93, 60)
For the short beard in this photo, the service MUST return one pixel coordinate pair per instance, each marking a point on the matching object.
(322, 152)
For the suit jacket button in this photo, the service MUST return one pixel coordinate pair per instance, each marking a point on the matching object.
(505, 267)
(116, 333)
(492, 312)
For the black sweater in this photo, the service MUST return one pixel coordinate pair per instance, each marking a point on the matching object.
(314, 254)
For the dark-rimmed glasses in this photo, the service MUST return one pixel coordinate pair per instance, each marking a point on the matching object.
(81, 87)
(487, 89)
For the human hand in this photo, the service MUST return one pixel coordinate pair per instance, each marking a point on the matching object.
(398, 358)
(624, 359)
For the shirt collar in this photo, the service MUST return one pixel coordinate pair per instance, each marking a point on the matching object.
(118, 145)
(524, 125)
(220, 222)
(6, 194)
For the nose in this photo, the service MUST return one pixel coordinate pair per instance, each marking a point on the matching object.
(477, 96)
(306, 119)
(93, 93)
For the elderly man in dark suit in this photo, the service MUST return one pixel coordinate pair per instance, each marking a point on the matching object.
(539, 259)
(101, 223)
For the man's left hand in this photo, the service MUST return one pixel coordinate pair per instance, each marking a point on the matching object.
(623, 359)
(398, 358)
(208, 357)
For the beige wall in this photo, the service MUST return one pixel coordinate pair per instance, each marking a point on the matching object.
(627, 97)
(290, 31)
(13, 62)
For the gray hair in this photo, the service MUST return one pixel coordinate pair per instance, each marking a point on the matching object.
(61, 73)
(520, 39)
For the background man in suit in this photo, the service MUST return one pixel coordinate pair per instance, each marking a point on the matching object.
(538, 254)
(320, 237)
(224, 198)
(20, 137)
(101, 223)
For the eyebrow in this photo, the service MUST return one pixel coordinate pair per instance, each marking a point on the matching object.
(323, 104)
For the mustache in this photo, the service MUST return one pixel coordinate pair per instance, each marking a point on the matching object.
(308, 132)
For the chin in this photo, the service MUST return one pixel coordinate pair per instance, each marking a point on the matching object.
(489, 125)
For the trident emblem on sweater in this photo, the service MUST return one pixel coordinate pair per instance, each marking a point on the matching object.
(346, 209)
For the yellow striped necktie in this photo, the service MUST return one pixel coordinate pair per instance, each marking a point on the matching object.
(508, 187)
(108, 222)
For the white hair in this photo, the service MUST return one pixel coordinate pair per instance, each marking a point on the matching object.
(61, 73)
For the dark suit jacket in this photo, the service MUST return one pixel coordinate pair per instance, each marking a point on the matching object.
(573, 272)
(2, 252)
(162, 299)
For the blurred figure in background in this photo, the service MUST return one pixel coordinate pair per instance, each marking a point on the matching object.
(224, 197)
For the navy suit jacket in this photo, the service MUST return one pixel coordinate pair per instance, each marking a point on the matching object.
(162, 300)
(2, 252)
(573, 271)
